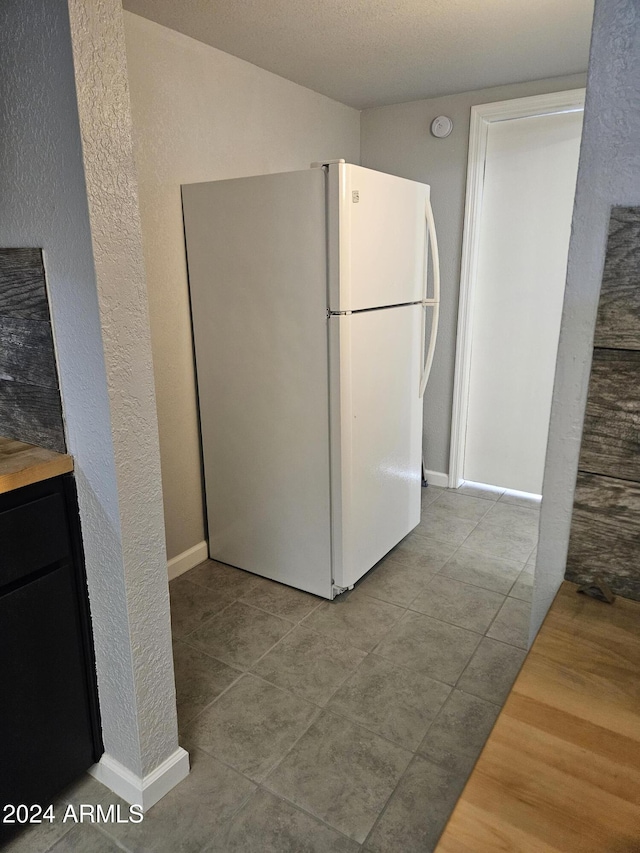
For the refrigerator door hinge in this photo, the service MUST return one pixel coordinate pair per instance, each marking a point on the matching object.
(337, 590)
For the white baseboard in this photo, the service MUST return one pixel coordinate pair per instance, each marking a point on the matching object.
(437, 478)
(145, 791)
(187, 560)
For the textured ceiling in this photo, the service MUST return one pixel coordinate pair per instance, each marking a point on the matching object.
(367, 53)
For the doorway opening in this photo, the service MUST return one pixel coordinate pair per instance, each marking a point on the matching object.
(522, 169)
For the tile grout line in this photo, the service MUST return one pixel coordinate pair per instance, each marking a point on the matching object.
(463, 583)
(240, 673)
(318, 710)
(191, 720)
(428, 540)
(491, 556)
(202, 624)
(490, 626)
(314, 719)
(305, 811)
(184, 642)
(239, 600)
(185, 637)
(388, 740)
(349, 674)
(344, 680)
(233, 666)
(441, 621)
(287, 619)
(486, 588)
(227, 825)
(243, 802)
(435, 719)
(226, 607)
(461, 544)
(509, 646)
(454, 492)
(273, 767)
(506, 643)
(185, 575)
(484, 518)
(226, 764)
(323, 710)
(25, 832)
(377, 600)
(106, 834)
(390, 797)
(271, 648)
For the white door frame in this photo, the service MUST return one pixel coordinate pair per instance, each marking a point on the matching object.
(482, 116)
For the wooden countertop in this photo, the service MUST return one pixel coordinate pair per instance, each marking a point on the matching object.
(23, 464)
(560, 772)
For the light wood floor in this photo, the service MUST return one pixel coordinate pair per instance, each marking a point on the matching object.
(561, 769)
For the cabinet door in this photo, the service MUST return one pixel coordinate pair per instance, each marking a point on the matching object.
(45, 722)
(34, 535)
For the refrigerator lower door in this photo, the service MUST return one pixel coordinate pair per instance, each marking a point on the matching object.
(376, 434)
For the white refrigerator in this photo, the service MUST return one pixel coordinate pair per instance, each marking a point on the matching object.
(311, 313)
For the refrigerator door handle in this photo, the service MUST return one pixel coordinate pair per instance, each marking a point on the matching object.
(435, 302)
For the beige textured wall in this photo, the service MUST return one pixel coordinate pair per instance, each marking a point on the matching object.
(396, 139)
(104, 110)
(200, 114)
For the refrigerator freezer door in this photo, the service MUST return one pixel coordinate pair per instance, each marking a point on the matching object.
(257, 273)
(377, 239)
(376, 434)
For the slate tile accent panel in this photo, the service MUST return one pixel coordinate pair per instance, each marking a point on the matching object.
(25, 350)
(605, 533)
(605, 526)
(22, 284)
(31, 413)
(618, 324)
(30, 405)
(611, 436)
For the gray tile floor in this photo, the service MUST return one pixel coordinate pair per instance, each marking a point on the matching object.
(337, 726)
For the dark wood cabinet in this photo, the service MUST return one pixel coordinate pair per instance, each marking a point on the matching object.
(49, 719)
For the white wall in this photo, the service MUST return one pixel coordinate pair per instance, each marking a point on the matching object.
(396, 139)
(200, 114)
(98, 307)
(608, 174)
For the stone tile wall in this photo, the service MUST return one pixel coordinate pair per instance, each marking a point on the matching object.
(605, 527)
(30, 406)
